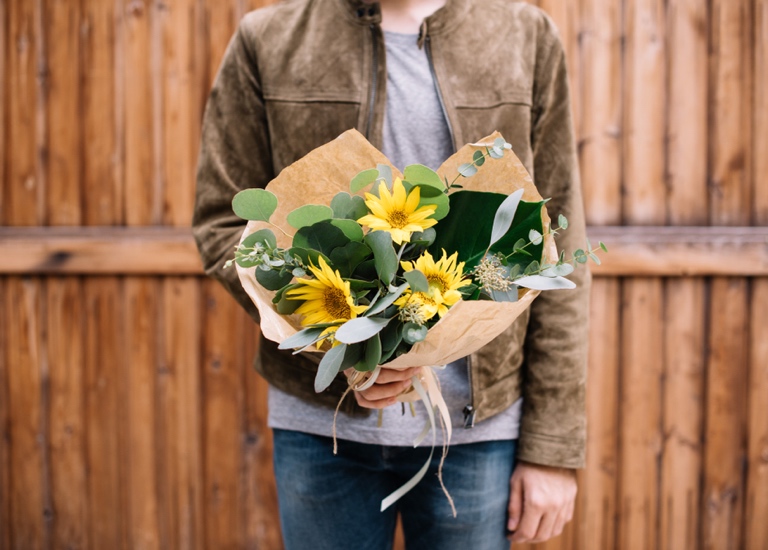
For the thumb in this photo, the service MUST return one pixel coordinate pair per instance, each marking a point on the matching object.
(515, 503)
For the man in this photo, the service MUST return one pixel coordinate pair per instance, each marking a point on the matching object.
(295, 76)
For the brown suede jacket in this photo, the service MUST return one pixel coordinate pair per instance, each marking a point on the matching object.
(299, 73)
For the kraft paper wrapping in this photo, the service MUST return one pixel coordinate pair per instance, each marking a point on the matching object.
(324, 172)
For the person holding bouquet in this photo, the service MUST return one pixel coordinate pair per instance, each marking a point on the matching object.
(418, 78)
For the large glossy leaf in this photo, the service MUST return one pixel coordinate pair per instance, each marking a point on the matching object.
(346, 258)
(384, 255)
(467, 228)
(322, 236)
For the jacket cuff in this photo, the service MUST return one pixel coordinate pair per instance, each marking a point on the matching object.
(548, 450)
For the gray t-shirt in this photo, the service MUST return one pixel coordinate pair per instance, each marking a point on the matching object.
(415, 131)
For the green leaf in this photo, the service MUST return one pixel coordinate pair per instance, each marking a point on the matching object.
(372, 355)
(385, 301)
(441, 202)
(602, 245)
(534, 236)
(363, 180)
(360, 329)
(273, 280)
(329, 367)
(519, 244)
(424, 189)
(418, 174)
(562, 222)
(505, 213)
(351, 229)
(284, 305)
(391, 337)
(594, 258)
(309, 214)
(346, 258)
(264, 236)
(254, 204)
(308, 257)
(559, 270)
(467, 228)
(505, 295)
(413, 332)
(424, 238)
(537, 282)
(499, 142)
(302, 338)
(385, 173)
(417, 280)
(322, 236)
(348, 207)
(384, 256)
(580, 256)
(467, 169)
(479, 158)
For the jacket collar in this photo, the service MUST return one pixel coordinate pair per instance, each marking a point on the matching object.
(443, 20)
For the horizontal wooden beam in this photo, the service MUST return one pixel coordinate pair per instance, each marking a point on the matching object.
(633, 251)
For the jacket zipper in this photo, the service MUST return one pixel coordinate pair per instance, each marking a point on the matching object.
(469, 410)
(428, 48)
(374, 81)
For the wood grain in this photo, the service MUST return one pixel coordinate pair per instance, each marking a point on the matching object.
(760, 114)
(5, 428)
(67, 428)
(640, 436)
(725, 410)
(104, 410)
(30, 511)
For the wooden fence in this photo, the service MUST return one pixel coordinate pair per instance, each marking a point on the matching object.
(130, 416)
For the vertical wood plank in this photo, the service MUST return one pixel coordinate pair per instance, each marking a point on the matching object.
(731, 111)
(23, 182)
(5, 48)
(597, 507)
(180, 128)
(223, 416)
(28, 483)
(66, 429)
(640, 416)
(139, 460)
(644, 196)
(725, 415)
(103, 409)
(218, 22)
(140, 188)
(63, 143)
(687, 129)
(5, 433)
(684, 337)
(755, 526)
(261, 519)
(101, 185)
(180, 417)
(760, 113)
(600, 146)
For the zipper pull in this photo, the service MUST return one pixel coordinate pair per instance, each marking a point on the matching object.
(469, 417)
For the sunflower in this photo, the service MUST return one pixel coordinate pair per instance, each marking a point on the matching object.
(397, 212)
(445, 278)
(327, 299)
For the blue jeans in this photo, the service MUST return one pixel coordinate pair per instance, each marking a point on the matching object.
(332, 501)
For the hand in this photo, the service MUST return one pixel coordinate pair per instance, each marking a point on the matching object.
(384, 391)
(541, 501)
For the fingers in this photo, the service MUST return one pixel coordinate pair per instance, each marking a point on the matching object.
(388, 386)
(529, 523)
(515, 503)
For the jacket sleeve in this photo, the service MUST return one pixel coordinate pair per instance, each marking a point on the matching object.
(553, 426)
(234, 155)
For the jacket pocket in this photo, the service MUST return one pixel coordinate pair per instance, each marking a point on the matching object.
(299, 122)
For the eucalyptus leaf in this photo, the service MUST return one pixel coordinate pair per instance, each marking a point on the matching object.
(329, 367)
(595, 258)
(308, 257)
(559, 270)
(360, 329)
(385, 173)
(602, 246)
(423, 175)
(479, 158)
(363, 180)
(499, 142)
(308, 214)
(442, 205)
(351, 229)
(387, 300)
(385, 258)
(302, 338)
(467, 169)
(537, 282)
(496, 152)
(534, 236)
(261, 236)
(322, 237)
(254, 204)
(346, 258)
(417, 280)
(562, 222)
(505, 295)
(348, 207)
(505, 213)
(424, 238)
(273, 280)
(413, 333)
(372, 355)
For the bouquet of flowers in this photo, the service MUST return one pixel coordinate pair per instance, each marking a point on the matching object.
(345, 256)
